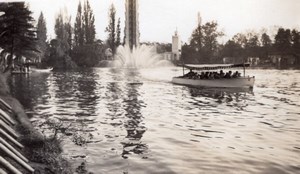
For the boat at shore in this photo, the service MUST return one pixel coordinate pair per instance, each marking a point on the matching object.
(215, 81)
(46, 70)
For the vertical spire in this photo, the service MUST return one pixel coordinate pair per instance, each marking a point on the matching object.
(199, 19)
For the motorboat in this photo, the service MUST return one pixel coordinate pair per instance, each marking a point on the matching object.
(214, 79)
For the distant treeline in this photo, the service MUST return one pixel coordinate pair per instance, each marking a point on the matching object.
(204, 47)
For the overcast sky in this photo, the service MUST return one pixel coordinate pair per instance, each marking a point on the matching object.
(160, 18)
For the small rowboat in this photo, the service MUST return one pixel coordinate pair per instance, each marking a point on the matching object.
(42, 70)
(222, 82)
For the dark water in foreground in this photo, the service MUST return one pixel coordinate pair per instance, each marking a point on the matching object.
(136, 121)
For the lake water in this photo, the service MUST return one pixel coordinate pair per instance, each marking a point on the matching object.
(136, 121)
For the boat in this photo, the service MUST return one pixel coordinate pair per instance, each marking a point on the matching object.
(46, 70)
(220, 82)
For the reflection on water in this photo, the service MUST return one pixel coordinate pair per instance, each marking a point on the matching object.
(134, 124)
(136, 121)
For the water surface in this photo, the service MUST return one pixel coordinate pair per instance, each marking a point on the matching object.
(136, 121)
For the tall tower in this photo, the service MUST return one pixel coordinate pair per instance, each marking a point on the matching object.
(132, 33)
(199, 19)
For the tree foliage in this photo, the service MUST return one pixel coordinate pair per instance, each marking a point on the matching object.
(78, 27)
(61, 46)
(86, 51)
(18, 36)
(296, 41)
(266, 40)
(89, 26)
(283, 40)
(196, 40)
(231, 49)
(42, 37)
(210, 36)
(111, 28)
(203, 44)
(63, 31)
(118, 40)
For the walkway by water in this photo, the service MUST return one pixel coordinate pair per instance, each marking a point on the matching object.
(136, 121)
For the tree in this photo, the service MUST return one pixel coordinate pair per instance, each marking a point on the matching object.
(69, 31)
(62, 30)
(266, 44)
(265, 40)
(89, 26)
(87, 50)
(189, 54)
(210, 36)
(252, 48)
(111, 28)
(296, 41)
(60, 49)
(240, 39)
(204, 41)
(18, 36)
(283, 40)
(192, 53)
(78, 27)
(42, 37)
(253, 41)
(118, 40)
(196, 40)
(231, 49)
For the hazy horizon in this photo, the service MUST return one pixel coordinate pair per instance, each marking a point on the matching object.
(159, 19)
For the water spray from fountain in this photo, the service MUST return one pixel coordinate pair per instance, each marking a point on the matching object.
(134, 55)
(143, 56)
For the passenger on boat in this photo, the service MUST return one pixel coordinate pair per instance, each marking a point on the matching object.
(210, 75)
(206, 75)
(228, 75)
(216, 75)
(236, 74)
(202, 75)
(190, 75)
(222, 74)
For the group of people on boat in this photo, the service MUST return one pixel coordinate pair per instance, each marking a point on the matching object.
(212, 75)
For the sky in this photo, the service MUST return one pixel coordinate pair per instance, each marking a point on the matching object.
(160, 18)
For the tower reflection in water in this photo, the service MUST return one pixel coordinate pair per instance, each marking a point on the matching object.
(134, 125)
(124, 108)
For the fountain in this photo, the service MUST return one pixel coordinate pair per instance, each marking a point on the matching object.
(133, 54)
(142, 56)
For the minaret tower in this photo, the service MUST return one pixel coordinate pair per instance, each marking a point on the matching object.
(132, 33)
(176, 46)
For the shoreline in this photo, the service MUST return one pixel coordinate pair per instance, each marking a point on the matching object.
(44, 154)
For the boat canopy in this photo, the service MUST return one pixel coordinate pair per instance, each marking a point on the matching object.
(215, 66)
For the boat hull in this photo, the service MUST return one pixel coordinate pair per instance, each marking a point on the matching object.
(241, 82)
(42, 70)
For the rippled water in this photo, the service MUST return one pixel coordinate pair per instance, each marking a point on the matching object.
(136, 121)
